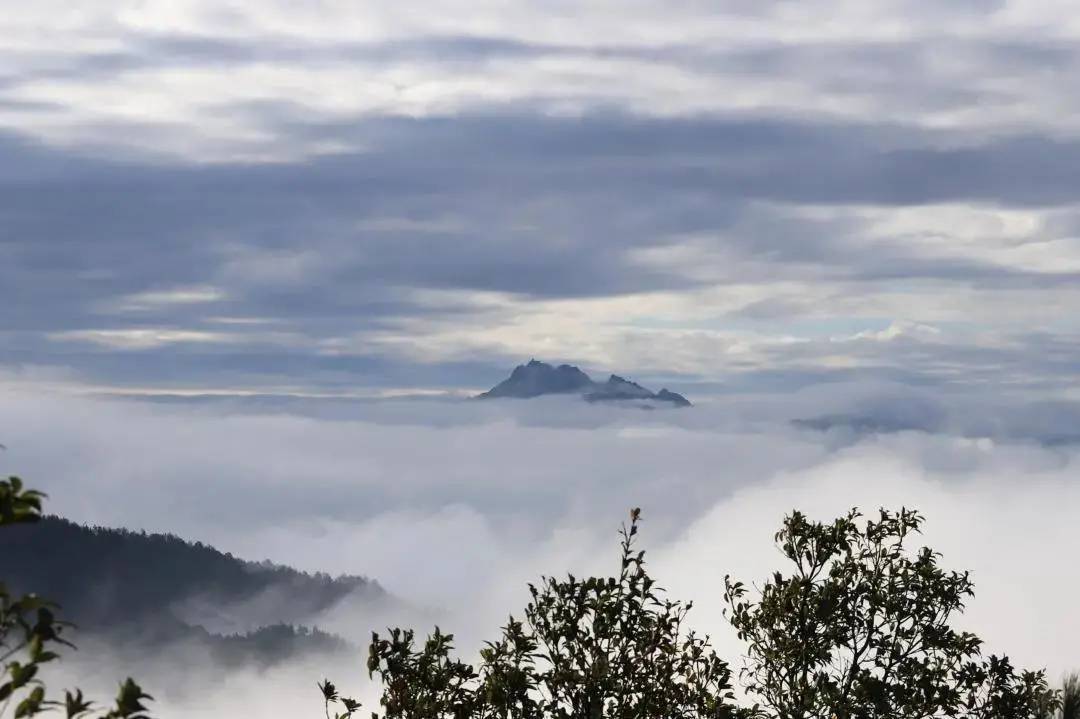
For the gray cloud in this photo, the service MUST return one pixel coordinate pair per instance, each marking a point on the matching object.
(534, 208)
(775, 179)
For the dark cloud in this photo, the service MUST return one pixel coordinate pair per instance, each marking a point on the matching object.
(539, 208)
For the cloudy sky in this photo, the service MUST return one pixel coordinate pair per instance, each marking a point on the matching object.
(371, 198)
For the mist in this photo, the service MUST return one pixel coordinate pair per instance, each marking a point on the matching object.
(453, 506)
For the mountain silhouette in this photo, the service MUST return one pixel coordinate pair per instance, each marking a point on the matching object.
(536, 379)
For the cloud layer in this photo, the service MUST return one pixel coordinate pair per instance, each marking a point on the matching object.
(359, 200)
(455, 506)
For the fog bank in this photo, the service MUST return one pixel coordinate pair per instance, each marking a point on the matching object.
(454, 506)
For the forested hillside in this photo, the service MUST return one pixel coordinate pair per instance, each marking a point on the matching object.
(150, 589)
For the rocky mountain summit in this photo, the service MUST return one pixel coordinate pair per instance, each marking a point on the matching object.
(536, 379)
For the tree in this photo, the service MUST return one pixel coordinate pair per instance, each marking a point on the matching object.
(1070, 697)
(593, 647)
(1069, 706)
(31, 634)
(861, 628)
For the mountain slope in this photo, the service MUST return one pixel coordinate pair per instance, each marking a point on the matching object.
(539, 378)
(151, 589)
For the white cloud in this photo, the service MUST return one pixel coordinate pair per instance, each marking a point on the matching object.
(165, 298)
(676, 59)
(141, 338)
(896, 330)
(457, 505)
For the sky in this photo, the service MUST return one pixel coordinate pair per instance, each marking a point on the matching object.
(254, 253)
(362, 199)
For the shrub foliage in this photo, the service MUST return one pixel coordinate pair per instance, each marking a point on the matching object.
(593, 647)
(859, 629)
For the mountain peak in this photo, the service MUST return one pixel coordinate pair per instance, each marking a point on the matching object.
(536, 378)
(539, 378)
(677, 399)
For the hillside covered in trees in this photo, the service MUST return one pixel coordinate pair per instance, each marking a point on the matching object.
(139, 589)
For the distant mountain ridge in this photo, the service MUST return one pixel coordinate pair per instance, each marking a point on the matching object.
(536, 379)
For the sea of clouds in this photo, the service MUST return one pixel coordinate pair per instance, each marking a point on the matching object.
(454, 506)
